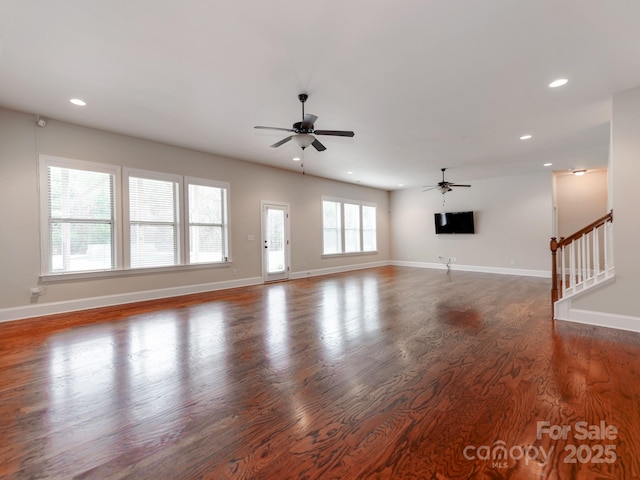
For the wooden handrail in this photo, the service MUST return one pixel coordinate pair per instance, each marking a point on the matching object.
(558, 244)
(601, 221)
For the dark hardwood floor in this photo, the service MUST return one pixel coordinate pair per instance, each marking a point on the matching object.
(385, 373)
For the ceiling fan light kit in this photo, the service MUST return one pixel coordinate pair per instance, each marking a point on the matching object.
(304, 140)
(304, 130)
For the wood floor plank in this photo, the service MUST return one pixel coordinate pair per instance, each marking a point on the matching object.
(392, 372)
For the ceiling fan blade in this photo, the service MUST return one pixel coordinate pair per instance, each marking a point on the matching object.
(428, 188)
(282, 142)
(318, 146)
(308, 121)
(335, 133)
(275, 128)
(458, 185)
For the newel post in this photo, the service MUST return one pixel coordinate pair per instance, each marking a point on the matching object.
(554, 273)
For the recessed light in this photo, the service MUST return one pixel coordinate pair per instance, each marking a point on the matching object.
(78, 102)
(526, 137)
(579, 173)
(401, 184)
(349, 173)
(558, 83)
(296, 159)
(547, 164)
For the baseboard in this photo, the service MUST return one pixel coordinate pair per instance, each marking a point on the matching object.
(476, 268)
(600, 319)
(37, 310)
(564, 311)
(330, 270)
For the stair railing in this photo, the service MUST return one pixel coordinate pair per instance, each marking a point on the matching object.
(583, 259)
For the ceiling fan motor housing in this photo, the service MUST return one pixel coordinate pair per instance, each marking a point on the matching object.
(297, 127)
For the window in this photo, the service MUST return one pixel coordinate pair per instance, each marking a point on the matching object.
(154, 219)
(351, 227)
(207, 221)
(78, 222)
(369, 243)
(331, 221)
(167, 220)
(348, 226)
(157, 232)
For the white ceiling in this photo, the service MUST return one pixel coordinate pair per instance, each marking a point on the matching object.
(424, 84)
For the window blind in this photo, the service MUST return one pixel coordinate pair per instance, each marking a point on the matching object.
(153, 222)
(80, 220)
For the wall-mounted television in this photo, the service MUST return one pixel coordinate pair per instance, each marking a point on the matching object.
(454, 222)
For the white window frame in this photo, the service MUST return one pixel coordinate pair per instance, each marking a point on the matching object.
(179, 222)
(121, 248)
(341, 227)
(46, 161)
(362, 205)
(226, 246)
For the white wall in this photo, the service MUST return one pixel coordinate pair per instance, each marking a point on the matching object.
(513, 218)
(21, 142)
(580, 200)
(624, 169)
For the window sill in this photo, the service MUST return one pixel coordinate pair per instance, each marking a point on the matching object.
(72, 276)
(348, 254)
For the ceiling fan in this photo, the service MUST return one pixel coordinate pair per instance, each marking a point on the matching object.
(303, 131)
(443, 186)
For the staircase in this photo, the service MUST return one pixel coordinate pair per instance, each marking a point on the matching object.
(581, 261)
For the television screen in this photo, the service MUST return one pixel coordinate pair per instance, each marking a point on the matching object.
(454, 222)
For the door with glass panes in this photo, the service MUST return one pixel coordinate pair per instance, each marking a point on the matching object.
(275, 241)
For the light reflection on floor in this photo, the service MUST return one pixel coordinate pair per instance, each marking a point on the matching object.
(277, 339)
(192, 345)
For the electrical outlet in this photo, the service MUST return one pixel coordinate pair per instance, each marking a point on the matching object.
(513, 262)
(38, 291)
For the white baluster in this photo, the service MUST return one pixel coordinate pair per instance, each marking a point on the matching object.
(563, 269)
(596, 254)
(572, 266)
(580, 260)
(610, 230)
(589, 236)
(606, 249)
(585, 253)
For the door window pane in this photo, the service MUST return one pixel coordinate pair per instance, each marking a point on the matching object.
(275, 241)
